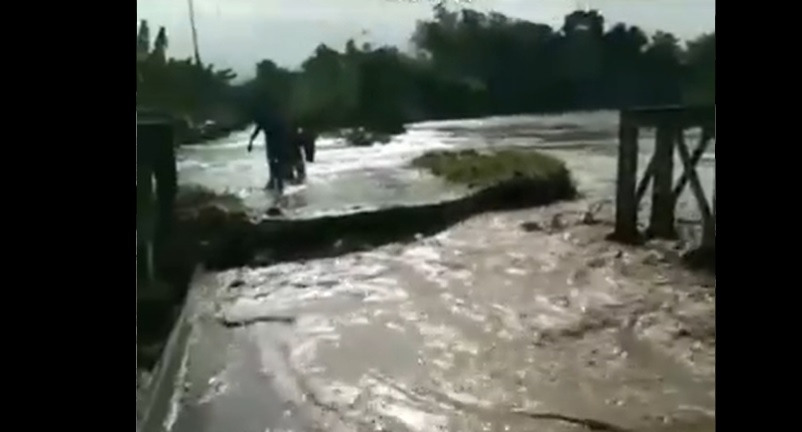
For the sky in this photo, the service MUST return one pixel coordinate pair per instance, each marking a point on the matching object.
(238, 33)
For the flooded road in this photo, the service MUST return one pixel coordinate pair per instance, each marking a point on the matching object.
(518, 321)
(345, 178)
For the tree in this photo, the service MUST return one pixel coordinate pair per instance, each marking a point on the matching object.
(160, 44)
(700, 62)
(465, 63)
(143, 40)
(180, 87)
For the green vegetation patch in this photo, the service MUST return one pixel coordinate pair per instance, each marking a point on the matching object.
(483, 169)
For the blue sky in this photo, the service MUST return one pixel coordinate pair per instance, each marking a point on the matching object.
(238, 33)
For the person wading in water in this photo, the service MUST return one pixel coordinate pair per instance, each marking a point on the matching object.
(277, 136)
(301, 150)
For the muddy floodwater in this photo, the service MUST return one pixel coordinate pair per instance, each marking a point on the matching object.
(346, 178)
(516, 321)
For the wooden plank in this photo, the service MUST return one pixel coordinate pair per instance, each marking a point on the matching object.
(626, 219)
(704, 142)
(661, 224)
(709, 235)
(708, 226)
(643, 186)
(150, 116)
(681, 116)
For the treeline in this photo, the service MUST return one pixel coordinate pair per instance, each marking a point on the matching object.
(191, 91)
(465, 64)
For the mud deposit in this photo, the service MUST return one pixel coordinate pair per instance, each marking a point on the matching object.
(521, 321)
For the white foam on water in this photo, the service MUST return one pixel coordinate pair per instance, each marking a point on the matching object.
(345, 177)
(376, 171)
(334, 158)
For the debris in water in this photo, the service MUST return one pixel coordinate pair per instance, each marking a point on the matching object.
(288, 320)
(275, 211)
(589, 424)
(589, 217)
(557, 223)
(532, 226)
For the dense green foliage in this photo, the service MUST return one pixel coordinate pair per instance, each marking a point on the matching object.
(486, 169)
(182, 87)
(465, 64)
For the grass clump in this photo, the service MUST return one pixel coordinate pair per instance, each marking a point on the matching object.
(476, 169)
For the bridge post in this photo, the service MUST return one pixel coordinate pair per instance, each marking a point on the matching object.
(626, 214)
(709, 235)
(709, 232)
(670, 123)
(156, 190)
(165, 174)
(145, 226)
(661, 223)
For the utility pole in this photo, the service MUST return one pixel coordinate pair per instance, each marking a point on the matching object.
(194, 32)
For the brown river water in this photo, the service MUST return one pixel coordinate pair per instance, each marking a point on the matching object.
(486, 326)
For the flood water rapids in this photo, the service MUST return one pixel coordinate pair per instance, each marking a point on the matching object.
(483, 327)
